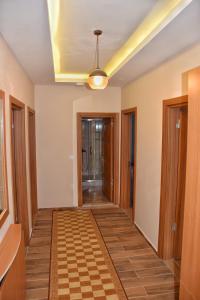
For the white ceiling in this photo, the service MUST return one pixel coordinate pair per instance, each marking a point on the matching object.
(78, 20)
(24, 25)
(179, 35)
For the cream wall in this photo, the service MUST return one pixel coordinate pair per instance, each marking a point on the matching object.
(13, 81)
(56, 107)
(147, 94)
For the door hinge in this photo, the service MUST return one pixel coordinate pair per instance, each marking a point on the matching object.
(178, 124)
(174, 227)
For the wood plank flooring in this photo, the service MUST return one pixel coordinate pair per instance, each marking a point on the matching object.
(143, 275)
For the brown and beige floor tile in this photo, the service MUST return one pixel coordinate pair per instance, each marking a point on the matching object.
(143, 275)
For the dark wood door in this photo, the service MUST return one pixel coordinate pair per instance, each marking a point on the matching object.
(181, 176)
(108, 139)
(128, 162)
(32, 163)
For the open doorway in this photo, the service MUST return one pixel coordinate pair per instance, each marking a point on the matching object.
(97, 158)
(128, 161)
(174, 154)
(18, 149)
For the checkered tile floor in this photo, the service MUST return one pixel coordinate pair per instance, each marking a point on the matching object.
(81, 267)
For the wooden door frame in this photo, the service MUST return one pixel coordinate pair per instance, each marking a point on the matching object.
(20, 106)
(33, 181)
(4, 214)
(115, 117)
(124, 150)
(165, 239)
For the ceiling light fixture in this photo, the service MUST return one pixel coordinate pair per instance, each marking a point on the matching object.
(98, 79)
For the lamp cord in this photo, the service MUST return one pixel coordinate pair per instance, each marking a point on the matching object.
(97, 52)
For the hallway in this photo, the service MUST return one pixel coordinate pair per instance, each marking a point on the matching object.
(143, 275)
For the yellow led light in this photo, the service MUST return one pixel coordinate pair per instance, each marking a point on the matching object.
(73, 77)
(161, 15)
(54, 12)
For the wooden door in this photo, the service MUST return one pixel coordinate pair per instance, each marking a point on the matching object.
(190, 270)
(19, 165)
(108, 139)
(131, 162)
(32, 163)
(180, 194)
(174, 151)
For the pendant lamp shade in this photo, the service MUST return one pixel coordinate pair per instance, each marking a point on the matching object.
(98, 79)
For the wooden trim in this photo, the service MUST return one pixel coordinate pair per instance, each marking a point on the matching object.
(165, 239)
(116, 195)
(190, 263)
(16, 103)
(115, 117)
(79, 160)
(32, 162)
(9, 247)
(4, 214)
(12, 267)
(178, 101)
(124, 142)
(30, 110)
(96, 115)
(129, 110)
(19, 106)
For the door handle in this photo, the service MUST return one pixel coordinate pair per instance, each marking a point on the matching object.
(131, 164)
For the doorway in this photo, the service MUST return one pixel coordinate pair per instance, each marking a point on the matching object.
(32, 162)
(18, 150)
(128, 161)
(98, 157)
(174, 155)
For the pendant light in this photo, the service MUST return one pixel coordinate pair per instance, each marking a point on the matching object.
(98, 79)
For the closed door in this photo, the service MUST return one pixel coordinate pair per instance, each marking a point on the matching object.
(174, 155)
(32, 163)
(131, 162)
(108, 139)
(19, 166)
(128, 163)
(181, 176)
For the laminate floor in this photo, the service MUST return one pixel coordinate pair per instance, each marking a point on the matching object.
(144, 276)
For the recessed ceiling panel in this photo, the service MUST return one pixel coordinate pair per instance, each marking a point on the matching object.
(178, 36)
(25, 26)
(77, 20)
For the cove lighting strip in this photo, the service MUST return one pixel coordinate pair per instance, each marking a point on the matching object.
(159, 17)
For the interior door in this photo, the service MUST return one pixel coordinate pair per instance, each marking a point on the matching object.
(19, 168)
(128, 165)
(108, 139)
(32, 163)
(131, 162)
(180, 195)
